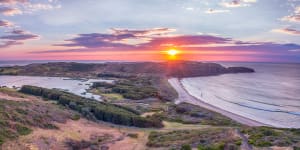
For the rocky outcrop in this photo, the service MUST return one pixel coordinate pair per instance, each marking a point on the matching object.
(239, 70)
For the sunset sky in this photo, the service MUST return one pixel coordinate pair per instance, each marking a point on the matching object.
(204, 30)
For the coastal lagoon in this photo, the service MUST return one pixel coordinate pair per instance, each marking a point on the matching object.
(271, 95)
(76, 86)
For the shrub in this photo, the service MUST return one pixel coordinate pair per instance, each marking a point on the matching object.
(133, 135)
(75, 117)
(185, 147)
(22, 130)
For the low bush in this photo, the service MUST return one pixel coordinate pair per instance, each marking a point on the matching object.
(267, 136)
(23, 130)
(208, 139)
(133, 135)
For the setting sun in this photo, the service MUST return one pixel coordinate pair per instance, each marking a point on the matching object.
(172, 52)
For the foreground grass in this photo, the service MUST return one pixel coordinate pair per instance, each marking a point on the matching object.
(12, 92)
(18, 118)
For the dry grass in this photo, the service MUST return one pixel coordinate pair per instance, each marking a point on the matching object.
(81, 130)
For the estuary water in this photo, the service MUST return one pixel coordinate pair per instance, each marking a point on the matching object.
(76, 86)
(271, 95)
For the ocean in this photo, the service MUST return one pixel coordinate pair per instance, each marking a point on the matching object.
(8, 63)
(26, 62)
(271, 95)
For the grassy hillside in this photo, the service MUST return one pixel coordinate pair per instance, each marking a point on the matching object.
(17, 118)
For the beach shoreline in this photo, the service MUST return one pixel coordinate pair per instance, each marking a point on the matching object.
(184, 96)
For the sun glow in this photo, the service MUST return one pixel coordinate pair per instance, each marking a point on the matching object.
(172, 52)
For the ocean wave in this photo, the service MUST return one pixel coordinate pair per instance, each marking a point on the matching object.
(259, 108)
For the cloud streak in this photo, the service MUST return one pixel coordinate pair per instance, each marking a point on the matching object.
(237, 3)
(287, 31)
(7, 11)
(16, 37)
(117, 38)
(216, 11)
(5, 23)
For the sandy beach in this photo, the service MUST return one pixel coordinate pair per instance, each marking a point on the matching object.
(184, 96)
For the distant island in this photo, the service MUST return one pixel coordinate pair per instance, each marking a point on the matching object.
(87, 70)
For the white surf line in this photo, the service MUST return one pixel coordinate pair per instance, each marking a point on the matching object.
(184, 96)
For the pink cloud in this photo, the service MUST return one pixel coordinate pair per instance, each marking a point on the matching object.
(16, 37)
(7, 11)
(12, 1)
(5, 23)
(295, 17)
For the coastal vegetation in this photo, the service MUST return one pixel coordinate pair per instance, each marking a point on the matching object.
(267, 136)
(190, 114)
(137, 87)
(203, 139)
(94, 109)
(9, 71)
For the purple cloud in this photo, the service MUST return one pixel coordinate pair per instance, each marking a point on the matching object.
(97, 40)
(117, 40)
(187, 40)
(5, 44)
(16, 37)
(19, 35)
(155, 37)
(5, 23)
